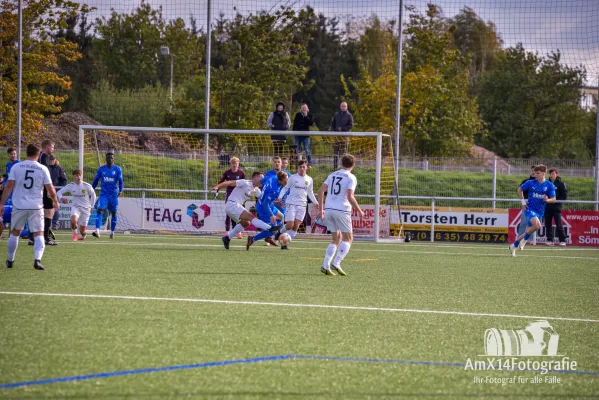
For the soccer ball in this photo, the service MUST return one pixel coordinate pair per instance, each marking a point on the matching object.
(285, 239)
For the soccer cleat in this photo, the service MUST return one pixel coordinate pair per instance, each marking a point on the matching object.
(74, 238)
(326, 271)
(51, 243)
(37, 264)
(30, 242)
(9, 264)
(81, 237)
(239, 236)
(521, 245)
(283, 247)
(563, 244)
(51, 235)
(226, 241)
(250, 242)
(549, 243)
(96, 234)
(112, 235)
(512, 250)
(337, 268)
(270, 241)
(275, 229)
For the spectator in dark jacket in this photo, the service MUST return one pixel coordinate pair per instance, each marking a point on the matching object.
(553, 211)
(343, 121)
(523, 219)
(59, 179)
(302, 122)
(278, 120)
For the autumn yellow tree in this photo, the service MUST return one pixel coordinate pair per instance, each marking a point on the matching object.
(44, 88)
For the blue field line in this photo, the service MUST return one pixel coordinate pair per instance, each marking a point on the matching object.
(251, 361)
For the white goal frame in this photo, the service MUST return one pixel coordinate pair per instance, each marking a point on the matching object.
(378, 161)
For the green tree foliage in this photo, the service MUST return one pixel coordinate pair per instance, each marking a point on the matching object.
(476, 39)
(44, 87)
(531, 105)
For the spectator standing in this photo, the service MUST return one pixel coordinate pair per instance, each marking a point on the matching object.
(233, 174)
(554, 210)
(523, 218)
(278, 120)
(59, 179)
(302, 122)
(343, 121)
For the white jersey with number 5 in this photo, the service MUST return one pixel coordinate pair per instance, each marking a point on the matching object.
(30, 178)
(339, 182)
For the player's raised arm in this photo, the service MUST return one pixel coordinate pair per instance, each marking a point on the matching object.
(224, 184)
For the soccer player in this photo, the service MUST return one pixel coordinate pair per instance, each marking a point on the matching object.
(244, 190)
(232, 174)
(28, 179)
(6, 216)
(540, 192)
(339, 187)
(267, 212)
(44, 159)
(277, 163)
(300, 187)
(111, 177)
(84, 198)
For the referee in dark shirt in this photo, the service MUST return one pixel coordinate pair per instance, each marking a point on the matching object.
(44, 159)
(232, 174)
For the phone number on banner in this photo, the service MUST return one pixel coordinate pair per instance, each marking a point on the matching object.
(460, 237)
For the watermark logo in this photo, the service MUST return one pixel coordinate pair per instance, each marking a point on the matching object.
(537, 339)
(521, 350)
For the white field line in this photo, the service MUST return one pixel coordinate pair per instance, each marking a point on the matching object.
(323, 306)
(182, 237)
(354, 249)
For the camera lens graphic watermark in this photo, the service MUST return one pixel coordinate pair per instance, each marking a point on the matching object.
(537, 339)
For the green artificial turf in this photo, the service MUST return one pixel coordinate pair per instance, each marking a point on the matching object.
(270, 312)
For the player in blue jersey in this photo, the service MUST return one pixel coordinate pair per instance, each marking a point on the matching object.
(540, 192)
(6, 217)
(267, 212)
(111, 177)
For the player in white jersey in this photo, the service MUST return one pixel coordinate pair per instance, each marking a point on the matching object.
(27, 180)
(84, 198)
(244, 190)
(336, 213)
(300, 187)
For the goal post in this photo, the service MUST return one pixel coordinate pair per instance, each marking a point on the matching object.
(167, 179)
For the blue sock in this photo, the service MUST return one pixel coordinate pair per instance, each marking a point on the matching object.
(262, 235)
(98, 220)
(113, 222)
(526, 236)
(516, 243)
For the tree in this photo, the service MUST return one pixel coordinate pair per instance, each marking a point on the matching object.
(531, 105)
(476, 39)
(41, 57)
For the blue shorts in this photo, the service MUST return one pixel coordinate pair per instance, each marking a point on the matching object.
(7, 213)
(263, 215)
(532, 214)
(110, 203)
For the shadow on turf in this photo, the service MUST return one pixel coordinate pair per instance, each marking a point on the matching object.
(341, 395)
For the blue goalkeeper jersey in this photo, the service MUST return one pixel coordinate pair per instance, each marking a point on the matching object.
(112, 180)
(270, 192)
(536, 191)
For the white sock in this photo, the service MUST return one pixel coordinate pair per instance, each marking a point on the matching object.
(292, 233)
(329, 255)
(74, 230)
(38, 247)
(13, 243)
(233, 232)
(283, 229)
(342, 252)
(260, 224)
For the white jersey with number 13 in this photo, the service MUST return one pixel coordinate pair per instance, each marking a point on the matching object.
(339, 182)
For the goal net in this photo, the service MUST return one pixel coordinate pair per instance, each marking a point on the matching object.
(168, 173)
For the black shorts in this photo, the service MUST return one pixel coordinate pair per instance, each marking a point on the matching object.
(48, 205)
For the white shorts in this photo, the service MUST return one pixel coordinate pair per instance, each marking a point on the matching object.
(295, 212)
(35, 218)
(338, 221)
(82, 215)
(234, 210)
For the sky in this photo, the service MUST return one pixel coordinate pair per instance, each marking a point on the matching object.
(570, 26)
